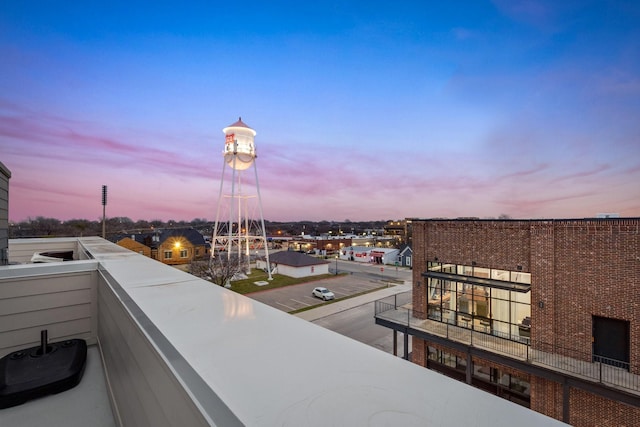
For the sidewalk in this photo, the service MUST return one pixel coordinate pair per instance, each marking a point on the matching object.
(346, 304)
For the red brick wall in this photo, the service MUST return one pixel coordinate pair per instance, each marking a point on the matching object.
(590, 410)
(419, 352)
(495, 244)
(546, 397)
(597, 274)
(543, 290)
(419, 262)
(586, 409)
(579, 269)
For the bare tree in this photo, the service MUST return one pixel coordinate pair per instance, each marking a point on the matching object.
(201, 269)
(219, 270)
(42, 226)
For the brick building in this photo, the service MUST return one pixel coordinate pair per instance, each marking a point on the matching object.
(541, 312)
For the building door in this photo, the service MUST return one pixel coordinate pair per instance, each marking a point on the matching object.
(611, 341)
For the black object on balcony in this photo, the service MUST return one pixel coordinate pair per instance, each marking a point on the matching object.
(525, 327)
(42, 370)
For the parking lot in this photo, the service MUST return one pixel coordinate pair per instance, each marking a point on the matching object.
(295, 297)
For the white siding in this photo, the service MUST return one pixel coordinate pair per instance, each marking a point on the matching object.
(309, 270)
(62, 304)
(4, 213)
(306, 271)
(21, 250)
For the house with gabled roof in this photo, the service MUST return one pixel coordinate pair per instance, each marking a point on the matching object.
(405, 255)
(136, 243)
(295, 264)
(175, 246)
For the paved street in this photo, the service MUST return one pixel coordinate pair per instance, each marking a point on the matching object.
(351, 317)
(358, 323)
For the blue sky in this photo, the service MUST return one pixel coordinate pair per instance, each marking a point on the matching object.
(363, 110)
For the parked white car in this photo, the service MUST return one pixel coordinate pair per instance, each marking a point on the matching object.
(323, 293)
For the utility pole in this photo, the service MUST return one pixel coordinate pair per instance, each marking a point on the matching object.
(104, 210)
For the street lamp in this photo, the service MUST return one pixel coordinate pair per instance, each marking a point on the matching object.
(104, 206)
(336, 265)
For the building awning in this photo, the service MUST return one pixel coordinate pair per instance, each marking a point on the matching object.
(492, 283)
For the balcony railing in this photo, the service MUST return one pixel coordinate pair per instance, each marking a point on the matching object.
(398, 309)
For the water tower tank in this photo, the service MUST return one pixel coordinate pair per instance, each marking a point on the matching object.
(239, 149)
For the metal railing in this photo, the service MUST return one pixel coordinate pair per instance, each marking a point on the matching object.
(611, 372)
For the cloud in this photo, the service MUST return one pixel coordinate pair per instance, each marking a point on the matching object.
(36, 135)
(529, 204)
(591, 172)
(527, 173)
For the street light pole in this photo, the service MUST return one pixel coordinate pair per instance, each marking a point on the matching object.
(104, 207)
(336, 265)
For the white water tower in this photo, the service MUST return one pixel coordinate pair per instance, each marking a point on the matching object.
(239, 228)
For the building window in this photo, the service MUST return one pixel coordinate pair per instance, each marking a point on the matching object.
(506, 385)
(408, 261)
(446, 363)
(168, 254)
(495, 302)
(183, 253)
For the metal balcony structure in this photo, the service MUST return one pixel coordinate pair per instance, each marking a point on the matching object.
(608, 378)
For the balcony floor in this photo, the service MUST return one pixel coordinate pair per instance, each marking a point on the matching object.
(87, 404)
(596, 372)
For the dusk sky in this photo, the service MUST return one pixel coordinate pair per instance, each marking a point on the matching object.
(371, 110)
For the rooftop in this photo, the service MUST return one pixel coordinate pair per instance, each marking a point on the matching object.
(295, 259)
(177, 350)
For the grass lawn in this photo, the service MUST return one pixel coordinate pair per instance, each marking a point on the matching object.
(246, 286)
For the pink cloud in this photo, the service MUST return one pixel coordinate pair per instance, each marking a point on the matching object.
(56, 138)
(59, 165)
(595, 171)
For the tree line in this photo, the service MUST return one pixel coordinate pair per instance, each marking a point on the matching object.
(51, 227)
